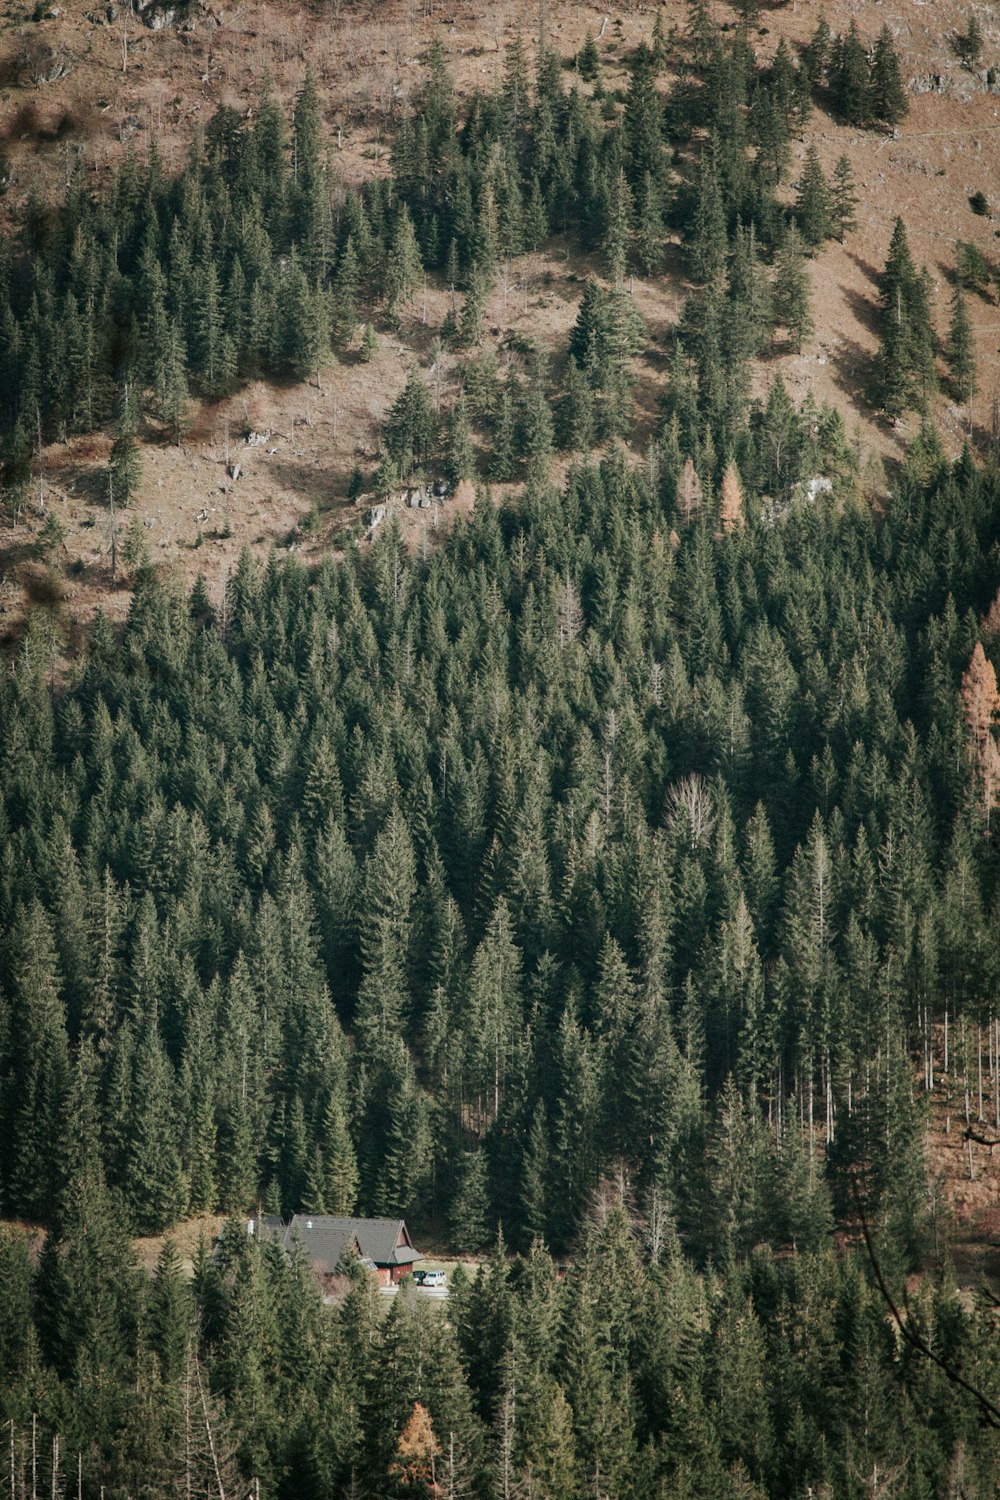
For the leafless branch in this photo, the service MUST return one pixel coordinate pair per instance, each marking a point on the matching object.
(989, 1413)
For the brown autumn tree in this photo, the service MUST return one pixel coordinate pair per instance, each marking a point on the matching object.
(981, 705)
(731, 499)
(414, 1468)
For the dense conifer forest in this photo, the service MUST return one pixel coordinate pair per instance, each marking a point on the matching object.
(590, 888)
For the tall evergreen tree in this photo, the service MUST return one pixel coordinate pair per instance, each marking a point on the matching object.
(792, 291)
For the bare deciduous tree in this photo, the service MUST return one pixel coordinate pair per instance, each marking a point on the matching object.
(691, 806)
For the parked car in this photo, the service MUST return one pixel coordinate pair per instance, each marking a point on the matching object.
(429, 1278)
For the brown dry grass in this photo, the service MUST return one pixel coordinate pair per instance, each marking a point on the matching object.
(186, 1236)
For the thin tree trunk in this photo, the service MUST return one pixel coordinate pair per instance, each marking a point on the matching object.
(211, 1439)
(965, 1070)
(946, 1038)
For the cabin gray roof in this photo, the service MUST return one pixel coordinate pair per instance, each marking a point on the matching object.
(383, 1242)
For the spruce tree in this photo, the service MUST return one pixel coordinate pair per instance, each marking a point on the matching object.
(587, 59)
(37, 1081)
(503, 448)
(410, 431)
(816, 54)
(649, 238)
(844, 199)
(792, 291)
(850, 79)
(960, 352)
(888, 97)
(468, 1215)
(618, 227)
(575, 417)
(125, 466)
(707, 246)
(403, 264)
(536, 427)
(812, 204)
(460, 455)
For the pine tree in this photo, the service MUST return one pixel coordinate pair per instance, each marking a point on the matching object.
(617, 227)
(403, 264)
(37, 1086)
(503, 451)
(125, 466)
(587, 59)
(981, 708)
(303, 323)
(369, 344)
(889, 101)
(533, 1207)
(812, 205)
(642, 120)
(689, 493)
(816, 54)
(970, 43)
(170, 385)
(169, 1314)
(346, 288)
(460, 455)
(792, 291)
(708, 233)
(151, 1170)
(649, 241)
(472, 317)
(576, 410)
(336, 1167)
(468, 1215)
(960, 352)
(850, 79)
(536, 440)
(907, 355)
(387, 890)
(410, 431)
(844, 199)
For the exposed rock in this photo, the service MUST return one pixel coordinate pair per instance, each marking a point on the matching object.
(45, 64)
(818, 485)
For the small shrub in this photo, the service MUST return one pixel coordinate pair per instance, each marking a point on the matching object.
(980, 204)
